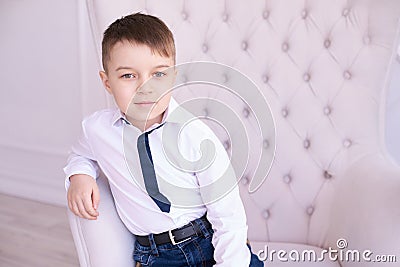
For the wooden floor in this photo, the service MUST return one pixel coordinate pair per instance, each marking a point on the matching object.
(33, 234)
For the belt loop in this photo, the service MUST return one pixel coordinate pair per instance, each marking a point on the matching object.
(153, 245)
(202, 227)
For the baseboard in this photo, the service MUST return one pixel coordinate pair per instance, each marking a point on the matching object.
(18, 187)
(33, 174)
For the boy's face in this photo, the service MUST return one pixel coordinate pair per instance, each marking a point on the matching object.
(139, 81)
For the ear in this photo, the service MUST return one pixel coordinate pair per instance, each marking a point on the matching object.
(104, 79)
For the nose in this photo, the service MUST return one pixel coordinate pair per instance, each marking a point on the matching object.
(145, 87)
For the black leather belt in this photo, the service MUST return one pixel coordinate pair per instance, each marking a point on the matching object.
(175, 236)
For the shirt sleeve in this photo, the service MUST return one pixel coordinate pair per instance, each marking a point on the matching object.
(81, 159)
(225, 211)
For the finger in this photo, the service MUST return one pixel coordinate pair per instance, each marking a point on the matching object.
(83, 211)
(69, 198)
(87, 203)
(75, 209)
(95, 197)
(69, 205)
(72, 205)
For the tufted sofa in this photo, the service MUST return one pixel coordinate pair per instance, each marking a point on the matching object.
(323, 66)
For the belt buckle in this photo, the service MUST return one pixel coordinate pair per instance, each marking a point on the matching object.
(172, 238)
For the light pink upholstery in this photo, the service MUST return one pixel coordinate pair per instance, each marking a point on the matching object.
(323, 67)
(105, 241)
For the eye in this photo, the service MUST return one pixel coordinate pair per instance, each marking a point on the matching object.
(128, 76)
(159, 74)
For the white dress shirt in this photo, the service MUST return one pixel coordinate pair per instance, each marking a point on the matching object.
(108, 142)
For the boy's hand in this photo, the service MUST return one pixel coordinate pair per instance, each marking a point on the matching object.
(83, 196)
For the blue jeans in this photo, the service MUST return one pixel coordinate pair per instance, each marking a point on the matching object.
(198, 251)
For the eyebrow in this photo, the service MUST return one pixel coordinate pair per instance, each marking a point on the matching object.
(129, 68)
(123, 68)
(162, 66)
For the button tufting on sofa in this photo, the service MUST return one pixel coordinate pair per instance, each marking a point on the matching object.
(225, 78)
(287, 178)
(225, 17)
(306, 77)
(347, 75)
(246, 112)
(304, 14)
(205, 112)
(245, 180)
(306, 143)
(265, 144)
(327, 43)
(285, 47)
(265, 214)
(347, 143)
(265, 78)
(184, 15)
(367, 40)
(327, 110)
(265, 14)
(310, 210)
(227, 144)
(285, 112)
(345, 12)
(244, 45)
(204, 47)
(327, 175)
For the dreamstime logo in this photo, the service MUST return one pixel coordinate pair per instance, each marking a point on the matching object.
(341, 243)
(212, 98)
(341, 254)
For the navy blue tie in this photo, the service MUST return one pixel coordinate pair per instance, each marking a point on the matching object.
(149, 175)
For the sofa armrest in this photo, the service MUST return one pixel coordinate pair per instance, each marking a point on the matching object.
(366, 209)
(106, 241)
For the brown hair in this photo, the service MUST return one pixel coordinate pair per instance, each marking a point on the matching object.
(139, 29)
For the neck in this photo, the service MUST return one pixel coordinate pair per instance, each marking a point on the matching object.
(145, 124)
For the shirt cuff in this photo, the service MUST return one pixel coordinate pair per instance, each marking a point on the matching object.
(83, 170)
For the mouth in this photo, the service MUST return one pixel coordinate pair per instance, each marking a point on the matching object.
(145, 103)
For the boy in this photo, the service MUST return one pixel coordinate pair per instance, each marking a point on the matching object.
(138, 55)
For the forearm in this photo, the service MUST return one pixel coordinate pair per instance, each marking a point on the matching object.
(228, 219)
(78, 164)
(81, 159)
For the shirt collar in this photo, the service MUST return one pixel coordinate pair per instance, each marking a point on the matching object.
(173, 114)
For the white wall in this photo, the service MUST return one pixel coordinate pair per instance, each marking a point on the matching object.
(42, 98)
(49, 80)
